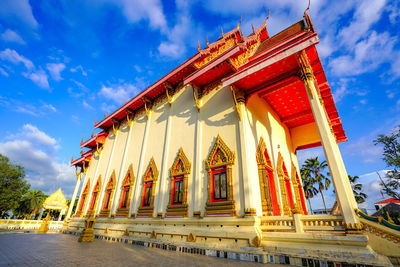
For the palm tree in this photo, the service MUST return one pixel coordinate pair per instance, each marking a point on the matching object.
(35, 199)
(316, 171)
(357, 189)
(308, 185)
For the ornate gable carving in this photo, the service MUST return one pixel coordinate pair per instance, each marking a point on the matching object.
(86, 190)
(151, 173)
(220, 155)
(97, 187)
(129, 177)
(181, 165)
(111, 182)
(262, 154)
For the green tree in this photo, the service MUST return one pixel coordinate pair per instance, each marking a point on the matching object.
(391, 155)
(357, 189)
(316, 171)
(31, 203)
(308, 185)
(12, 184)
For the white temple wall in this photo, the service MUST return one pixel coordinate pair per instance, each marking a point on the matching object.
(114, 161)
(265, 123)
(220, 117)
(183, 123)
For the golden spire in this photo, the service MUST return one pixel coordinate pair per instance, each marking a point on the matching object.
(72, 159)
(95, 121)
(198, 48)
(207, 41)
(309, 3)
(240, 21)
(82, 141)
(222, 32)
(265, 21)
(125, 101)
(254, 31)
(105, 115)
(92, 133)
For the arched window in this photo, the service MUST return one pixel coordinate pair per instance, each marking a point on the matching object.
(219, 163)
(269, 198)
(298, 192)
(179, 174)
(126, 193)
(95, 195)
(107, 201)
(285, 186)
(149, 189)
(83, 199)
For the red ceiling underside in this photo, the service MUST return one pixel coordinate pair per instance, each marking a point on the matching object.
(279, 86)
(83, 159)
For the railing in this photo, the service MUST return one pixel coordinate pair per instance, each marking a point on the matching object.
(28, 224)
(302, 223)
(378, 220)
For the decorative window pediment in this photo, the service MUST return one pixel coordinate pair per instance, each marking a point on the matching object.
(179, 174)
(268, 190)
(108, 196)
(150, 178)
(83, 198)
(219, 164)
(285, 186)
(126, 193)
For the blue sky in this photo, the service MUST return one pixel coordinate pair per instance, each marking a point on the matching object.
(64, 63)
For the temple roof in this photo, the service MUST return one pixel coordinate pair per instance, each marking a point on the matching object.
(256, 64)
(55, 201)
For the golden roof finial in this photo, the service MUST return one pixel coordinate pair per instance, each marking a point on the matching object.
(222, 32)
(95, 121)
(198, 47)
(240, 21)
(72, 159)
(125, 101)
(105, 115)
(241, 34)
(254, 31)
(82, 141)
(207, 41)
(265, 21)
(309, 3)
(92, 133)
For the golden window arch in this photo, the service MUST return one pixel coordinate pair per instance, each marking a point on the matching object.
(95, 197)
(179, 175)
(219, 163)
(150, 179)
(83, 199)
(108, 196)
(126, 193)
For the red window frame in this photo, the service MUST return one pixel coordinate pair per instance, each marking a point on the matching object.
(82, 202)
(107, 199)
(272, 189)
(175, 180)
(124, 199)
(147, 185)
(94, 197)
(218, 171)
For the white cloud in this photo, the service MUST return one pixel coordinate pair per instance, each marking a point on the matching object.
(365, 149)
(19, 10)
(303, 155)
(55, 70)
(137, 10)
(11, 36)
(15, 58)
(87, 105)
(79, 68)
(368, 55)
(371, 187)
(36, 110)
(43, 171)
(39, 77)
(119, 93)
(3, 72)
(170, 49)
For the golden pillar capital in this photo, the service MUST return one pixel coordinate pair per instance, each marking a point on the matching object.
(305, 72)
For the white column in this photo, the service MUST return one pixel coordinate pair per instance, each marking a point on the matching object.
(107, 176)
(121, 176)
(332, 153)
(249, 207)
(161, 195)
(71, 205)
(94, 181)
(198, 182)
(139, 176)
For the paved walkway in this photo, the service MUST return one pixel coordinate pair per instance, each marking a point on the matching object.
(65, 250)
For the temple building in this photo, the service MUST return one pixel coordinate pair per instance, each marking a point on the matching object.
(205, 159)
